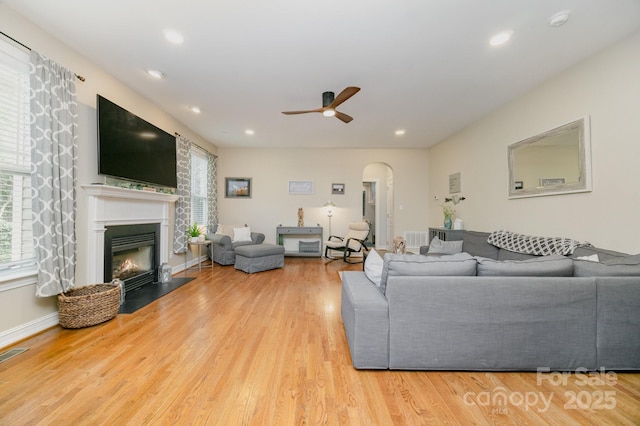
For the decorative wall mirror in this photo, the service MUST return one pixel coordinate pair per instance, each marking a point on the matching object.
(557, 161)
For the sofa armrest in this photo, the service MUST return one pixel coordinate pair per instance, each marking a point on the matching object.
(618, 320)
(222, 240)
(365, 314)
(257, 237)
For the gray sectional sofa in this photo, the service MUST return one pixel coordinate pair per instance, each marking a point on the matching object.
(490, 309)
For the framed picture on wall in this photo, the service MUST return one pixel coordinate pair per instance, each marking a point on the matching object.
(237, 187)
(300, 187)
(337, 188)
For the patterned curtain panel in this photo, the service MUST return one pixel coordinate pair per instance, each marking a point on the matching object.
(183, 205)
(212, 179)
(54, 158)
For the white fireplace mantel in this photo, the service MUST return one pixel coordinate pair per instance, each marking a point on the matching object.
(110, 205)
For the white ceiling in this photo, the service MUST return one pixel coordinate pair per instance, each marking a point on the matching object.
(423, 65)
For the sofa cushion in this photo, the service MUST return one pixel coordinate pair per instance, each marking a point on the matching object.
(444, 247)
(627, 266)
(631, 260)
(459, 264)
(373, 267)
(541, 266)
(475, 243)
(602, 253)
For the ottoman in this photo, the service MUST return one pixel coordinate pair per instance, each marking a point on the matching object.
(259, 257)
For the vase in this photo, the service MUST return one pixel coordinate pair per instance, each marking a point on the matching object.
(447, 222)
(201, 238)
(193, 240)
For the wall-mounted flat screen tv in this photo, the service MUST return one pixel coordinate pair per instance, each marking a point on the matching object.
(134, 149)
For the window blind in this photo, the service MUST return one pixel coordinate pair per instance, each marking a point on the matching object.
(16, 244)
(199, 187)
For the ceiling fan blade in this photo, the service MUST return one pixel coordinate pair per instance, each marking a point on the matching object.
(344, 117)
(344, 95)
(302, 112)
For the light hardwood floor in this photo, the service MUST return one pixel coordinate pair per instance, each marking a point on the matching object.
(269, 349)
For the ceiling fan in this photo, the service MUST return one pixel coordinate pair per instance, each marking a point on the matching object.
(329, 104)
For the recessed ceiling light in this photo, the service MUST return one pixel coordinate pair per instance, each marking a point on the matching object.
(560, 18)
(173, 36)
(248, 132)
(156, 73)
(195, 109)
(500, 38)
(399, 132)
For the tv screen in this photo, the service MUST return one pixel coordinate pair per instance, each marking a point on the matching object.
(134, 149)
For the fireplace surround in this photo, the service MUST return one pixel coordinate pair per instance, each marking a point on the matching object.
(109, 206)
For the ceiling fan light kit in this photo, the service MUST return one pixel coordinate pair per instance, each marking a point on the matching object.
(329, 104)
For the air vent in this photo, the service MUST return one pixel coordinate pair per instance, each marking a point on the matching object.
(415, 239)
(11, 353)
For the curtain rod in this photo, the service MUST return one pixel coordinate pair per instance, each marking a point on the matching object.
(204, 149)
(79, 77)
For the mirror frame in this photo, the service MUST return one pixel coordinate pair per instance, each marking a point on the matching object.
(584, 152)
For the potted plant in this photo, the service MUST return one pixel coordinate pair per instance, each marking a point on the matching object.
(448, 212)
(194, 232)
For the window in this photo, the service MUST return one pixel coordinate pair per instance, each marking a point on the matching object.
(199, 205)
(16, 243)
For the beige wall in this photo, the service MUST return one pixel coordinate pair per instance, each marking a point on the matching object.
(271, 204)
(21, 313)
(606, 87)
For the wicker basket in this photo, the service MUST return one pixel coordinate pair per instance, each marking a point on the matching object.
(87, 306)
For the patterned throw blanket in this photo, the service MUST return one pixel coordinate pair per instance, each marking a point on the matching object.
(540, 246)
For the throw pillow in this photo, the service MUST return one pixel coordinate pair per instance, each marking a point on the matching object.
(444, 247)
(241, 234)
(225, 230)
(543, 266)
(373, 267)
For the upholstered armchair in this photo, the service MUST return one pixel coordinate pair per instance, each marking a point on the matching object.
(224, 240)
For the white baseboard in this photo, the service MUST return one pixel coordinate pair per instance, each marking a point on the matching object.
(23, 331)
(190, 264)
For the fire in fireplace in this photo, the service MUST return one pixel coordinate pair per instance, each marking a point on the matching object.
(132, 254)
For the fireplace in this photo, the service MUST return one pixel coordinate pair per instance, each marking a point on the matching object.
(110, 206)
(131, 254)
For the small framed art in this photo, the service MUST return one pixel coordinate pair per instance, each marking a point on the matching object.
(337, 188)
(237, 187)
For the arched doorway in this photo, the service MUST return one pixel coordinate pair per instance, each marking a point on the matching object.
(377, 203)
